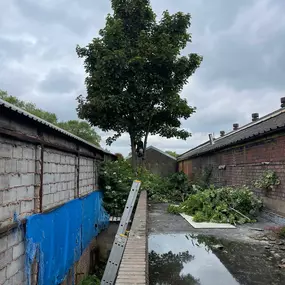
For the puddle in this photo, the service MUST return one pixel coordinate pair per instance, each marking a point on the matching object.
(178, 259)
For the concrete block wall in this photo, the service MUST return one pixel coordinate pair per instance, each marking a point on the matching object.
(87, 175)
(17, 180)
(59, 178)
(12, 256)
(20, 183)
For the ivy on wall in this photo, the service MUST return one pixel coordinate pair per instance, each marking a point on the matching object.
(267, 181)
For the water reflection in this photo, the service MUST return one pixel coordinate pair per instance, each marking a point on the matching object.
(181, 259)
(165, 268)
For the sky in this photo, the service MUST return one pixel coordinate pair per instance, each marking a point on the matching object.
(242, 43)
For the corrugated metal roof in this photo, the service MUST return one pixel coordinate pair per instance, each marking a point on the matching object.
(49, 125)
(271, 122)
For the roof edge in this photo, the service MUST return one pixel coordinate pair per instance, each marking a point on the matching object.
(22, 112)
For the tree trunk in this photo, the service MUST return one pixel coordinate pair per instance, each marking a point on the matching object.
(145, 140)
(134, 154)
(144, 147)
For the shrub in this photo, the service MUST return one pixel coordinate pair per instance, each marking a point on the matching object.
(179, 187)
(224, 205)
(267, 181)
(116, 178)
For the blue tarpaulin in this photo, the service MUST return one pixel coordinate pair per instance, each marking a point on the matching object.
(57, 239)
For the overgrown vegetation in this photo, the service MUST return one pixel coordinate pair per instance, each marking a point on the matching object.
(222, 205)
(267, 181)
(203, 179)
(116, 178)
(90, 280)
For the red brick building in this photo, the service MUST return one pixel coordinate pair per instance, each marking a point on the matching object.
(243, 156)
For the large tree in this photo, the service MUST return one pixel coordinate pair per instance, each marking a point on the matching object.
(79, 128)
(135, 73)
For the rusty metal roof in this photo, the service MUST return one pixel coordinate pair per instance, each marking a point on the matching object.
(20, 111)
(272, 122)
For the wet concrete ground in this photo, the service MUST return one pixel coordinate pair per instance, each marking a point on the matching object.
(180, 254)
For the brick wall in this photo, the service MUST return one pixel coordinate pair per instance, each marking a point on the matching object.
(134, 266)
(245, 163)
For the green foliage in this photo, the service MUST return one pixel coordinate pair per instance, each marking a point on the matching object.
(79, 128)
(116, 178)
(167, 268)
(221, 205)
(179, 186)
(172, 153)
(29, 107)
(90, 280)
(203, 179)
(267, 181)
(173, 209)
(135, 73)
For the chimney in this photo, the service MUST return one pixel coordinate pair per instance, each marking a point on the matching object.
(235, 126)
(222, 133)
(211, 139)
(255, 117)
(282, 102)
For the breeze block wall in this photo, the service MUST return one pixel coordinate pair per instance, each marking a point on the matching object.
(12, 257)
(243, 164)
(17, 180)
(40, 169)
(59, 178)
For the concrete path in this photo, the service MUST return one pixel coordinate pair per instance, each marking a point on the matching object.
(180, 254)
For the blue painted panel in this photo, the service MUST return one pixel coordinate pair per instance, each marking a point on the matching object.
(58, 238)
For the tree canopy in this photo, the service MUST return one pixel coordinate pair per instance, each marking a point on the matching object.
(29, 107)
(172, 153)
(135, 73)
(79, 128)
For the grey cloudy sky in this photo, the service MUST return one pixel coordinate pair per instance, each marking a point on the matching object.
(242, 72)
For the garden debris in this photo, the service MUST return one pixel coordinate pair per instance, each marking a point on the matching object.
(216, 205)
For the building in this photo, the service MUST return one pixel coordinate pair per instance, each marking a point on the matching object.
(159, 162)
(243, 155)
(47, 171)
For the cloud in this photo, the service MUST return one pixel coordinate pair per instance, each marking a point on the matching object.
(242, 43)
(60, 81)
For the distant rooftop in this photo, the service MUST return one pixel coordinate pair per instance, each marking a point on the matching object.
(270, 123)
